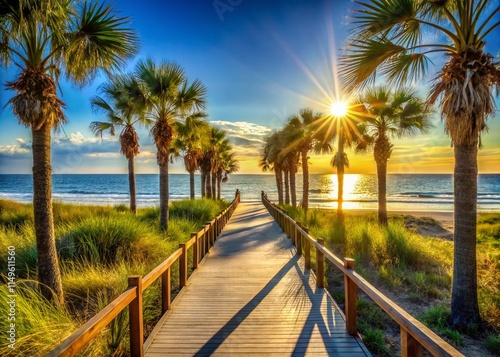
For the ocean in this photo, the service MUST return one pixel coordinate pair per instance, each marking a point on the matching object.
(404, 192)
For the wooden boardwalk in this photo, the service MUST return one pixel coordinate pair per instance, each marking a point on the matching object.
(252, 296)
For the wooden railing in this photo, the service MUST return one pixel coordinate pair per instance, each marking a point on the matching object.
(414, 334)
(201, 242)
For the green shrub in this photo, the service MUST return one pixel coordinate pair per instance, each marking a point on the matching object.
(437, 318)
(493, 344)
(199, 211)
(101, 240)
(374, 341)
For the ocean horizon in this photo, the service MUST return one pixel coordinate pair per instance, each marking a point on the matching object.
(405, 192)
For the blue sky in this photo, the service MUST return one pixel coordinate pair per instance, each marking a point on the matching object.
(261, 62)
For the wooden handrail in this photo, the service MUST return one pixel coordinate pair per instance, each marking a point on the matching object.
(160, 269)
(74, 343)
(132, 296)
(414, 334)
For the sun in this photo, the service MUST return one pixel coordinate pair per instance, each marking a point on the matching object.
(338, 109)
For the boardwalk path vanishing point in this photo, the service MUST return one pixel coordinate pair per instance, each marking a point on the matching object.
(251, 296)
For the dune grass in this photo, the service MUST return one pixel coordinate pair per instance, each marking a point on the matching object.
(416, 269)
(99, 247)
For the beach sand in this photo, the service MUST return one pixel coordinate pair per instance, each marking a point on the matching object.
(416, 220)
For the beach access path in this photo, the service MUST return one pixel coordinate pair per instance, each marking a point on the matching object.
(252, 296)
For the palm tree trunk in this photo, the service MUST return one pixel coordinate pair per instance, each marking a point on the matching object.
(287, 187)
(203, 184)
(305, 181)
(219, 181)
(131, 186)
(464, 300)
(382, 192)
(214, 184)
(279, 184)
(49, 274)
(340, 175)
(209, 185)
(293, 186)
(164, 196)
(191, 185)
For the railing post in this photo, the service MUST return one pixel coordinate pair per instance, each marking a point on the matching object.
(166, 289)
(208, 226)
(183, 266)
(285, 229)
(307, 250)
(409, 346)
(213, 232)
(135, 318)
(294, 234)
(320, 265)
(196, 253)
(350, 300)
(298, 240)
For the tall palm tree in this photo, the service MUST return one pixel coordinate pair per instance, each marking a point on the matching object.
(46, 39)
(388, 39)
(170, 98)
(302, 135)
(191, 136)
(123, 104)
(398, 113)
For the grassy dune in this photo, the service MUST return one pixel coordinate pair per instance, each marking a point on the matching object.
(99, 247)
(413, 270)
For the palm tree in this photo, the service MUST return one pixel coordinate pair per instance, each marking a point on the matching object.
(340, 161)
(169, 98)
(270, 160)
(209, 151)
(46, 39)
(123, 105)
(218, 144)
(228, 165)
(389, 39)
(397, 113)
(189, 144)
(302, 135)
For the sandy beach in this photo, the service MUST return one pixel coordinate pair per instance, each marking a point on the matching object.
(414, 220)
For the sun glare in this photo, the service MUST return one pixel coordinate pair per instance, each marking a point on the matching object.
(338, 109)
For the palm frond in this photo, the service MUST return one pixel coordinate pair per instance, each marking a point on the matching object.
(339, 160)
(191, 97)
(359, 64)
(377, 17)
(405, 68)
(99, 127)
(99, 40)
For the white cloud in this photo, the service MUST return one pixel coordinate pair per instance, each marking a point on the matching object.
(247, 138)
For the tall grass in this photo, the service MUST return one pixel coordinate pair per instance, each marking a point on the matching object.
(99, 247)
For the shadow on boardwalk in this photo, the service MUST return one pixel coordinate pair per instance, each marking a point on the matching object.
(252, 296)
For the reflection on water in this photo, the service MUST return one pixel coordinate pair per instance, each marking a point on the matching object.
(358, 191)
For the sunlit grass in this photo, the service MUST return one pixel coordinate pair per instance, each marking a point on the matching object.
(99, 247)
